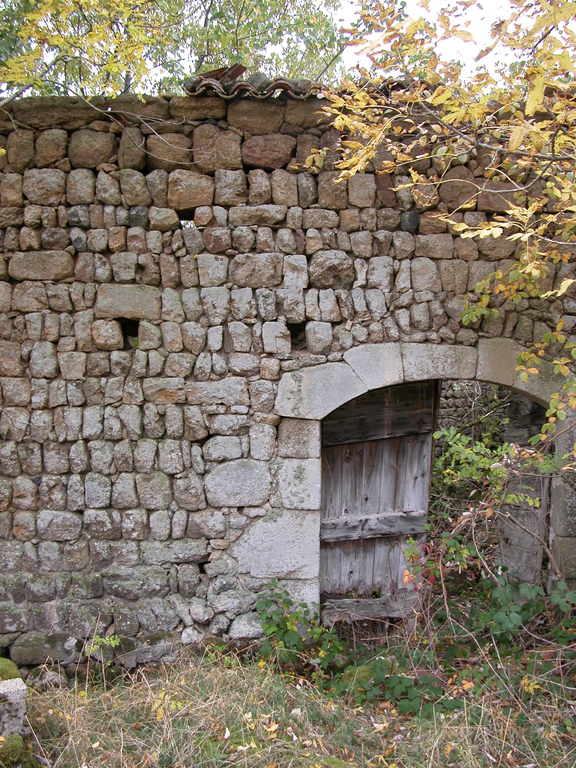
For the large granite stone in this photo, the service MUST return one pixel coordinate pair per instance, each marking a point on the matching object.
(241, 483)
(135, 302)
(41, 265)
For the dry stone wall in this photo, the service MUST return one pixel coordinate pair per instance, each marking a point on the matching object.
(166, 265)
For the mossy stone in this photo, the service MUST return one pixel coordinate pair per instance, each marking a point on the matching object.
(8, 670)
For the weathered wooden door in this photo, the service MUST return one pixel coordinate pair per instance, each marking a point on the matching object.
(376, 465)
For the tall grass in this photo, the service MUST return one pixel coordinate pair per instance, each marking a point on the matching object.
(220, 709)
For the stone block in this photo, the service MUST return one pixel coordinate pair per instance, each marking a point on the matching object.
(198, 107)
(230, 187)
(318, 337)
(458, 188)
(13, 708)
(214, 149)
(299, 483)
(497, 361)
(331, 192)
(33, 648)
(174, 552)
(11, 190)
(312, 393)
(251, 215)
(131, 152)
(154, 490)
(88, 149)
(248, 626)
(255, 117)
(438, 361)
(134, 583)
(165, 390)
(378, 365)
(306, 113)
(272, 151)
(80, 186)
(10, 360)
(72, 365)
(41, 265)
(239, 483)
(58, 526)
(331, 269)
(362, 190)
(163, 219)
(425, 275)
(169, 151)
(256, 270)
(44, 360)
(188, 190)
(565, 551)
(229, 391)
(299, 439)
(284, 188)
(296, 550)
(497, 196)
(134, 188)
(134, 302)
(20, 150)
(44, 186)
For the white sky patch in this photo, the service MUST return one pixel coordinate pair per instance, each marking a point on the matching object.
(478, 20)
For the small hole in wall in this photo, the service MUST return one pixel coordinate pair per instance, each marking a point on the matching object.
(129, 332)
(297, 335)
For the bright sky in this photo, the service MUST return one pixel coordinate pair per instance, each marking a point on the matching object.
(479, 19)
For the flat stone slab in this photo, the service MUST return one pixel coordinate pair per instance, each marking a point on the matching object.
(313, 393)
(240, 483)
(286, 544)
(134, 302)
(41, 265)
(378, 365)
(438, 361)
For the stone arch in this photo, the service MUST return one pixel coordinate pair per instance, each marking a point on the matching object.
(313, 393)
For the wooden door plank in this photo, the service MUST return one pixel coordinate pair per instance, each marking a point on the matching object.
(398, 606)
(393, 411)
(370, 527)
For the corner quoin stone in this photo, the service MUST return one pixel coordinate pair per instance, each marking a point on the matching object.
(313, 393)
(41, 265)
(134, 302)
(295, 553)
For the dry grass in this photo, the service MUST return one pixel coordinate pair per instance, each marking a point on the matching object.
(216, 710)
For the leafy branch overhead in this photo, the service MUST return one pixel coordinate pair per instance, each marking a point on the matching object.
(503, 122)
(104, 47)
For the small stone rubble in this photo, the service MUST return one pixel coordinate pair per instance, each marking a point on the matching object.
(181, 302)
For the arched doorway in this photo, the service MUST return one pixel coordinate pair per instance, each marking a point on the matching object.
(377, 454)
(313, 393)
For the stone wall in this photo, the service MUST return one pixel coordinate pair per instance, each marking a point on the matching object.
(181, 302)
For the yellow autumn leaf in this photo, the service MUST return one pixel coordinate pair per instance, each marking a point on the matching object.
(516, 138)
(536, 96)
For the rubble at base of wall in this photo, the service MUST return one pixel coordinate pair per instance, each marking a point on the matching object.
(165, 266)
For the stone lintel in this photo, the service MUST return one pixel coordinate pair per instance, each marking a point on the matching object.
(438, 361)
(378, 365)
